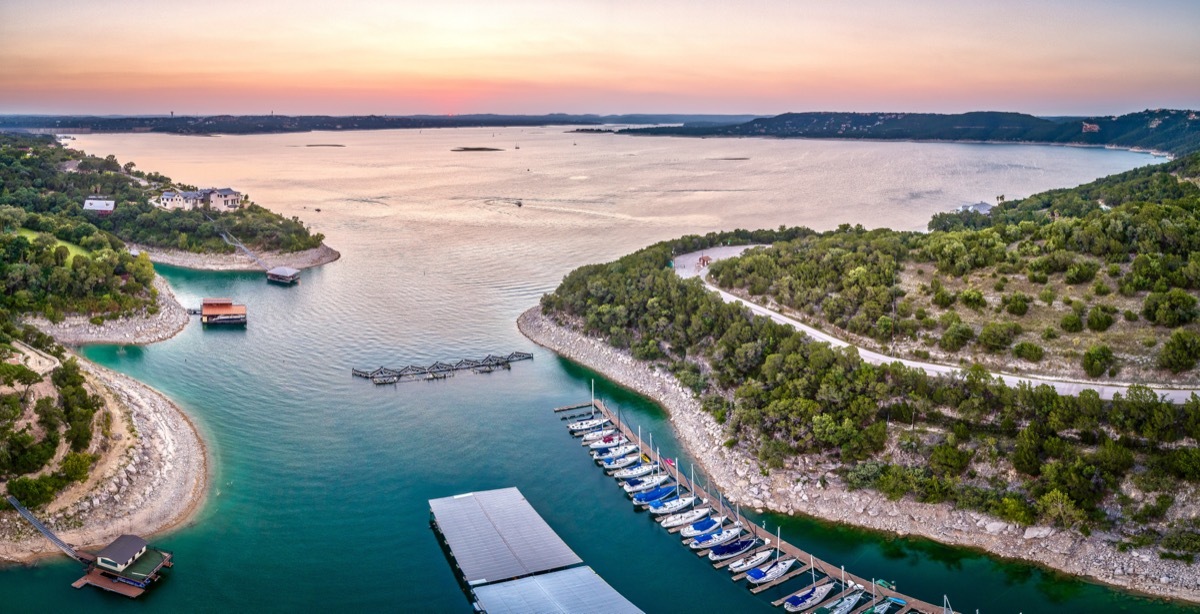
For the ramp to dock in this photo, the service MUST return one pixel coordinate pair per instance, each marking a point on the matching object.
(37, 524)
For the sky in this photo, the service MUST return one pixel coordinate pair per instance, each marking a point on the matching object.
(1047, 57)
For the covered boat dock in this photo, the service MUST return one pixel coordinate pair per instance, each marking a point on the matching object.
(510, 560)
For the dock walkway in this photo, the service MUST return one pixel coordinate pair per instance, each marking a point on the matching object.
(786, 549)
(440, 370)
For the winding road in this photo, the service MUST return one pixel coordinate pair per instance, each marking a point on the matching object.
(687, 266)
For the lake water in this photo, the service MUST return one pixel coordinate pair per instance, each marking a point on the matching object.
(319, 498)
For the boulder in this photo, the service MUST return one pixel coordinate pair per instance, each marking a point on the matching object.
(1038, 532)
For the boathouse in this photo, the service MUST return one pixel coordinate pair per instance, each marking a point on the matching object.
(283, 275)
(222, 311)
(121, 553)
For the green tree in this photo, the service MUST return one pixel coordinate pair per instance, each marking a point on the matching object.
(1098, 359)
(1056, 508)
(1180, 352)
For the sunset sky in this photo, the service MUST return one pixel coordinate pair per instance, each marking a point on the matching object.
(600, 56)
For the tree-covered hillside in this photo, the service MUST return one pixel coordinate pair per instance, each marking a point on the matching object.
(1025, 454)
(1170, 130)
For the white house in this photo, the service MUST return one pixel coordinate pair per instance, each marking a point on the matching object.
(214, 197)
(99, 205)
(121, 553)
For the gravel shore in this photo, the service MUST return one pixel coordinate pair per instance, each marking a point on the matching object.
(138, 329)
(238, 261)
(156, 479)
(797, 488)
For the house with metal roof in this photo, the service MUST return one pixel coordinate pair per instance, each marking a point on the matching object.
(99, 205)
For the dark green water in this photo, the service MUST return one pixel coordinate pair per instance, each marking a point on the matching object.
(321, 481)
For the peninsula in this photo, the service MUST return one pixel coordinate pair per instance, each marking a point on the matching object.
(1094, 487)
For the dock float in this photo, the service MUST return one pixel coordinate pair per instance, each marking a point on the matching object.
(509, 560)
(828, 570)
(440, 370)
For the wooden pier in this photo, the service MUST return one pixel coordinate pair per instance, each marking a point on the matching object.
(828, 570)
(441, 370)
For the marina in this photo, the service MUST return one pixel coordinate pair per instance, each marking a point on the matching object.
(440, 370)
(724, 544)
(222, 312)
(509, 560)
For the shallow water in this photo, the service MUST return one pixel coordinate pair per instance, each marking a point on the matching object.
(321, 481)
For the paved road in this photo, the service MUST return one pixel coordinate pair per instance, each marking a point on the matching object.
(687, 265)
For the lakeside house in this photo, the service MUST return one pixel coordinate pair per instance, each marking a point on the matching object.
(99, 205)
(979, 207)
(227, 198)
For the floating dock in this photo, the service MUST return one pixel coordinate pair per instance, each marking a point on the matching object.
(440, 370)
(510, 560)
(809, 564)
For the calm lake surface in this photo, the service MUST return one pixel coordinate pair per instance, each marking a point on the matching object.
(321, 481)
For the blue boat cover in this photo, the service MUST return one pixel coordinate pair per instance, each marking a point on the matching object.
(704, 524)
(654, 495)
(756, 573)
(732, 546)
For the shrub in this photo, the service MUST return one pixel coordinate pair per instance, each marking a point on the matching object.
(1017, 303)
(942, 298)
(972, 298)
(997, 336)
(948, 460)
(1100, 318)
(955, 337)
(1081, 272)
(1101, 289)
(1098, 359)
(1172, 308)
(1131, 315)
(1050, 333)
(1047, 295)
(1114, 270)
(1029, 351)
(1071, 323)
(1180, 352)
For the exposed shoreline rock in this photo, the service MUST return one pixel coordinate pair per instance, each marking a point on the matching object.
(808, 486)
(238, 261)
(134, 330)
(157, 481)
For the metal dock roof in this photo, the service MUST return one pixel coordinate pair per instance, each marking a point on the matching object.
(496, 535)
(578, 590)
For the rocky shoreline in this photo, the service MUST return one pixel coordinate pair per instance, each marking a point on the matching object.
(138, 330)
(238, 261)
(808, 485)
(147, 482)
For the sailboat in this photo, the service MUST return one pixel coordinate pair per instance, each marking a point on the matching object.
(773, 570)
(845, 605)
(606, 442)
(650, 496)
(682, 518)
(809, 598)
(886, 606)
(637, 485)
(594, 435)
(617, 452)
(702, 527)
(584, 425)
(621, 462)
(732, 549)
(658, 508)
(749, 562)
(711, 540)
(637, 471)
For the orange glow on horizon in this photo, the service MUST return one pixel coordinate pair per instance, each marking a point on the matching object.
(615, 56)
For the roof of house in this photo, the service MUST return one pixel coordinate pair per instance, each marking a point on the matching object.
(224, 191)
(123, 549)
(219, 309)
(283, 270)
(95, 204)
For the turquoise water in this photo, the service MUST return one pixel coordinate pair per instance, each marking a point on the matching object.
(321, 481)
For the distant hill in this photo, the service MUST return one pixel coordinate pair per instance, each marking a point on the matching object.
(264, 124)
(1171, 130)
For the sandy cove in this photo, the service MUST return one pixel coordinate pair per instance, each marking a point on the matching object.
(147, 484)
(797, 488)
(238, 261)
